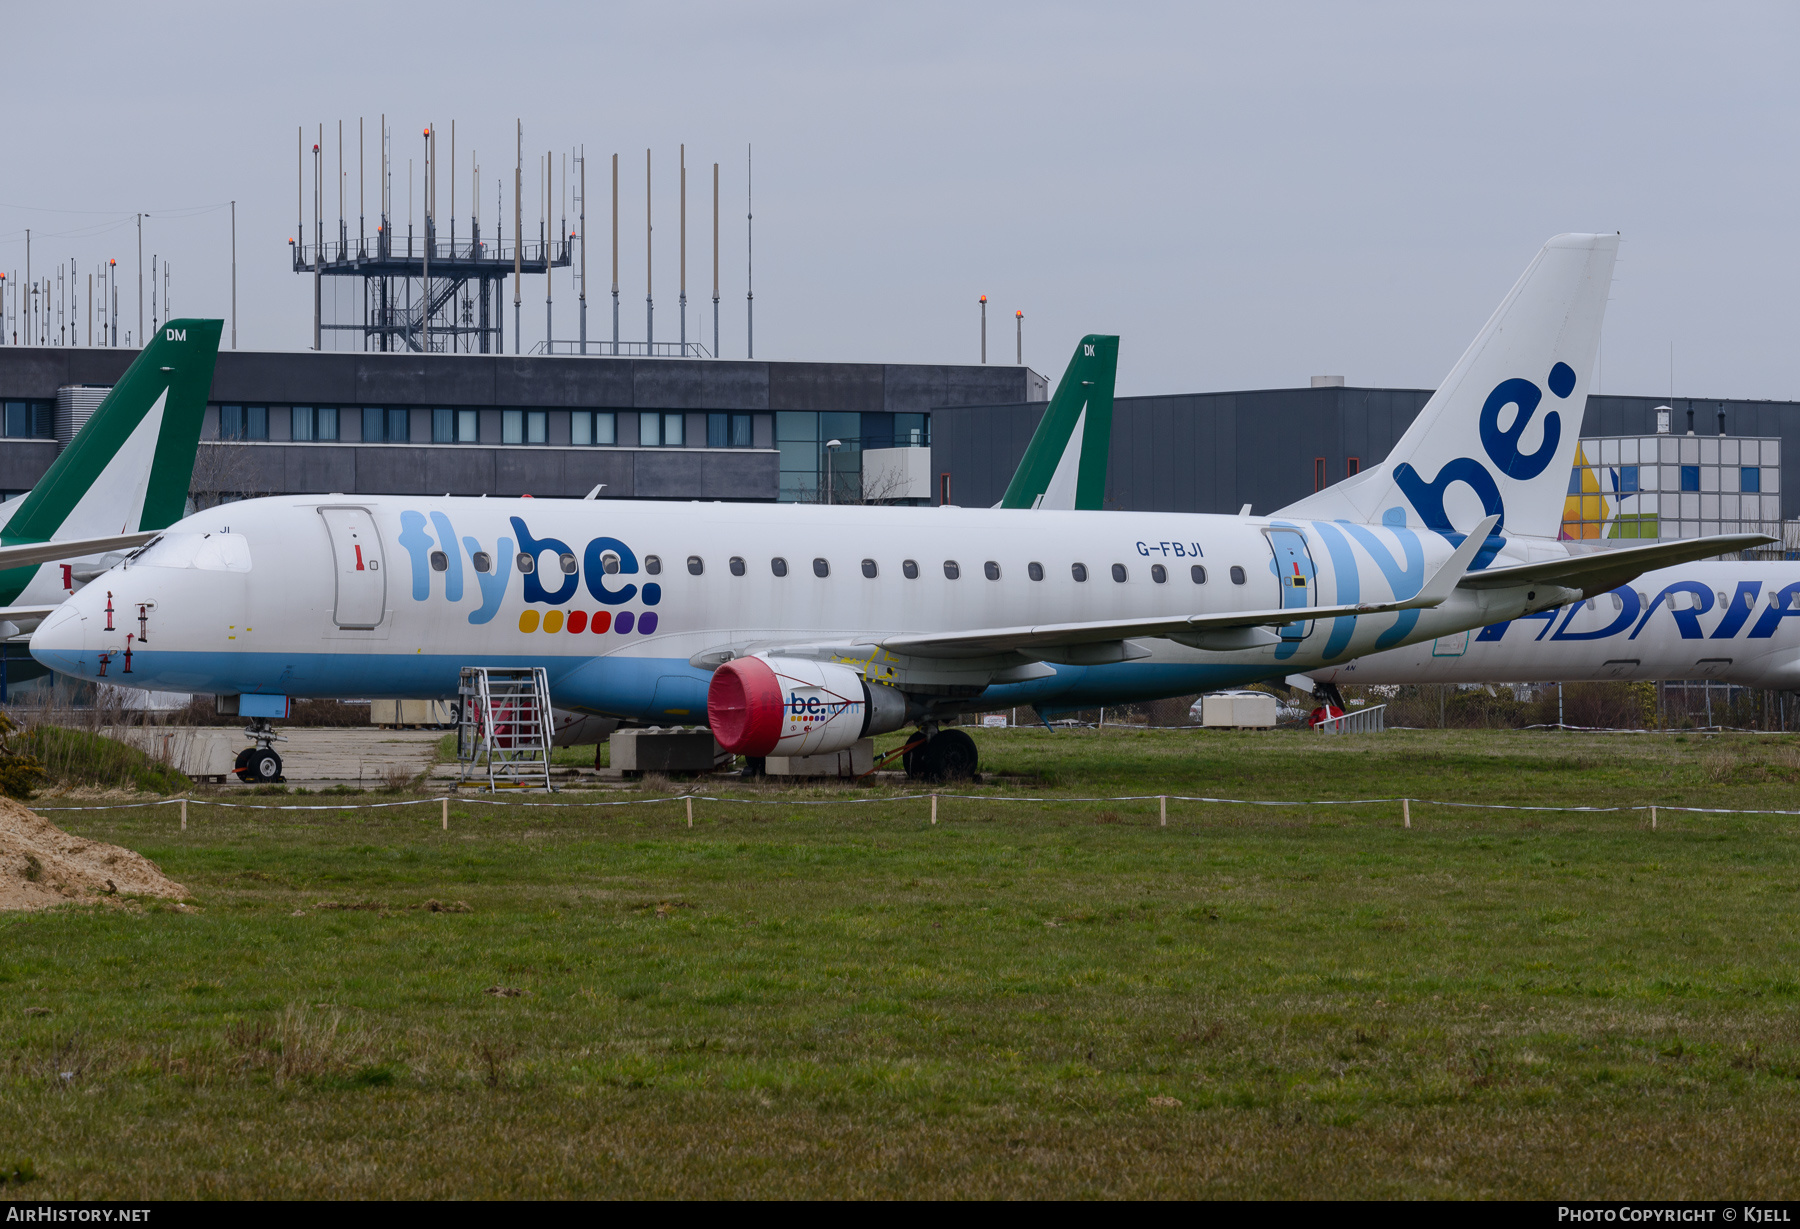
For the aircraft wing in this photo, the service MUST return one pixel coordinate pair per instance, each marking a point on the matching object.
(1604, 570)
(26, 553)
(21, 614)
(1212, 631)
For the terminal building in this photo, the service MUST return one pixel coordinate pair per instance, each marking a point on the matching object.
(674, 428)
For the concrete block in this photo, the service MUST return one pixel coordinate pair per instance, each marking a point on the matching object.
(198, 753)
(1238, 710)
(672, 750)
(853, 761)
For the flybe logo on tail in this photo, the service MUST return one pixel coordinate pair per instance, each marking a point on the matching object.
(1502, 447)
(175, 334)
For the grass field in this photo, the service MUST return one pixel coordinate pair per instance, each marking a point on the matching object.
(1025, 1000)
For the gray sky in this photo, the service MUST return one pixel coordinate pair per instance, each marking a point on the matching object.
(1248, 194)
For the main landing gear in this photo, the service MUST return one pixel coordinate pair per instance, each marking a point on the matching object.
(941, 755)
(261, 763)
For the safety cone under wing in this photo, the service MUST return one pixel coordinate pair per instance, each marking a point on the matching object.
(1499, 435)
(126, 472)
(1064, 467)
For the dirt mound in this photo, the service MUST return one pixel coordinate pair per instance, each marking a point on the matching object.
(41, 865)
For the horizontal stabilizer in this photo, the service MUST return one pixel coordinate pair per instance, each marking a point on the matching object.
(1604, 570)
(26, 553)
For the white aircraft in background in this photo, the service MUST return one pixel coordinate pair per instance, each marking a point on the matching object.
(1720, 620)
(798, 629)
(124, 475)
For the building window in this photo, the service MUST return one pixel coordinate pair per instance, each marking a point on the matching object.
(30, 420)
(728, 431)
(661, 430)
(399, 426)
(1628, 478)
(1690, 477)
(455, 426)
(912, 430)
(944, 489)
(243, 422)
(314, 423)
(523, 426)
(593, 427)
(1750, 479)
(1352, 466)
(1318, 473)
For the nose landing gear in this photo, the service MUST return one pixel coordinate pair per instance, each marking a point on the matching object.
(261, 763)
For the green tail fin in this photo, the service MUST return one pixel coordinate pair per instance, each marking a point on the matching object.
(129, 467)
(1065, 465)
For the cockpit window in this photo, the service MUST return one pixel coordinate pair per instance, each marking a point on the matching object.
(207, 552)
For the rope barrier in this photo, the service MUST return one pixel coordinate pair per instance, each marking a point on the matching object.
(1162, 799)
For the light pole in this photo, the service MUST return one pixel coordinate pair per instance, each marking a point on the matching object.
(831, 446)
(1019, 321)
(984, 328)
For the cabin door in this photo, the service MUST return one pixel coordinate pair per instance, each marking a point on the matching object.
(1294, 572)
(359, 567)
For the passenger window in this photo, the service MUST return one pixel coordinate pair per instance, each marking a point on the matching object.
(821, 568)
(1035, 571)
(951, 571)
(1198, 573)
(527, 564)
(440, 562)
(778, 565)
(869, 568)
(568, 564)
(483, 561)
(1078, 571)
(737, 565)
(1619, 602)
(992, 570)
(909, 568)
(1118, 571)
(1237, 575)
(1159, 573)
(653, 564)
(609, 563)
(696, 565)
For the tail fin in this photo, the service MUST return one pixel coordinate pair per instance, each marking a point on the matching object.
(1065, 465)
(1490, 440)
(129, 467)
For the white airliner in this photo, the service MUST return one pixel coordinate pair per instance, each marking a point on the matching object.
(1712, 620)
(796, 629)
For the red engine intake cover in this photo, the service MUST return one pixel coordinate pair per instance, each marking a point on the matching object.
(744, 706)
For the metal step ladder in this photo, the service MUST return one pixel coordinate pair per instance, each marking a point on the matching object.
(504, 726)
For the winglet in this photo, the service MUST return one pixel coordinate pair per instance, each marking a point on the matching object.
(1443, 581)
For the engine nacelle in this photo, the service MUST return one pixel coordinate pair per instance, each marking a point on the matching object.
(761, 706)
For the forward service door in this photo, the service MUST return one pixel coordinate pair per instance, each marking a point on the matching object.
(359, 566)
(1294, 572)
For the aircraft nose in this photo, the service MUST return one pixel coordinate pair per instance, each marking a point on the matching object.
(60, 642)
